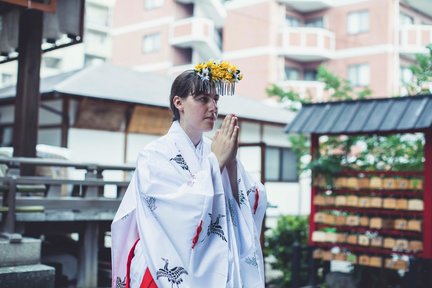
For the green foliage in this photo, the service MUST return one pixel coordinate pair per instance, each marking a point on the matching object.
(300, 146)
(289, 230)
(422, 71)
(397, 152)
(341, 88)
(290, 98)
(394, 152)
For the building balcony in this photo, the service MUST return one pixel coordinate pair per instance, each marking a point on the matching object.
(199, 34)
(308, 5)
(213, 9)
(414, 39)
(306, 89)
(307, 44)
(101, 50)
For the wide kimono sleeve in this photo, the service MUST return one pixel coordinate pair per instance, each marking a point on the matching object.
(254, 192)
(179, 215)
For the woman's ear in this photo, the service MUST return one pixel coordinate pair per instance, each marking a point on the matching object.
(178, 103)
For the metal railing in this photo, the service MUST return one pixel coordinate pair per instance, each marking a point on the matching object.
(40, 193)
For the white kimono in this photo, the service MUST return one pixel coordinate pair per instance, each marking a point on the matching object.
(191, 231)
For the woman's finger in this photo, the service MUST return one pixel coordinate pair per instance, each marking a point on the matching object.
(235, 134)
(231, 127)
(216, 134)
(225, 124)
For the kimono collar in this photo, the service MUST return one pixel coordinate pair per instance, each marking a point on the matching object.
(192, 154)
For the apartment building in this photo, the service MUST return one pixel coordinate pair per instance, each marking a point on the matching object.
(369, 42)
(95, 48)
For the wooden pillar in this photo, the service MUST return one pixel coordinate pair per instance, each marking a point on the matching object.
(88, 256)
(427, 196)
(65, 122)
(27, 95)
(314, 149)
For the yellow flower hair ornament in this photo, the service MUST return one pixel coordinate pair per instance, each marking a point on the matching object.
(221, 75)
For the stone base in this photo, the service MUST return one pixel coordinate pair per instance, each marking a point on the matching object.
(26, 252)
(35, 276)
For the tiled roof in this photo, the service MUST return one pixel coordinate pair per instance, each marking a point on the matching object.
(121, 84)
(400, 114)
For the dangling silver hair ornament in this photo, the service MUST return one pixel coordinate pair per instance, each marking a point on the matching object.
(222, 76)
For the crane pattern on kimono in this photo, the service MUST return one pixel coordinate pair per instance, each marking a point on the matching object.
(233, 212)
(252, 261)
(120, 283)
(150, 202)
(181, 162)
(215, 227)
(250, 190)
(172, 275)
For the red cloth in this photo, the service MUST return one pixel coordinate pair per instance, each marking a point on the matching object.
(148, 281)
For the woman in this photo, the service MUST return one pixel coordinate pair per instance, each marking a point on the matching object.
(191, 216)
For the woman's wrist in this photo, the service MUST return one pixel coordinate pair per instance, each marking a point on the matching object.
(232, 164)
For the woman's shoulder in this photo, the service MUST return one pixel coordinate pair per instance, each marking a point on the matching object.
(159, 145)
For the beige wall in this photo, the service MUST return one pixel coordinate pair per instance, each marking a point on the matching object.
(128, 47)
(380, 71)
(256, 71)
(250, 26)
(379, 21)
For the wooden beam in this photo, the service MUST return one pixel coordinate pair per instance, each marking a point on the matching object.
(314, 151)
(28, 98)
(50, 7)
(65, 122)
(427, 197)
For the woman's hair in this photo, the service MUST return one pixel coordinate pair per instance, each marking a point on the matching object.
(185, 84)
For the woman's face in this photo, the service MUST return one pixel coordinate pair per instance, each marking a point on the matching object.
(198, 113)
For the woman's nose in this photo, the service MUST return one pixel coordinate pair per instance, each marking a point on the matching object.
(213, 104)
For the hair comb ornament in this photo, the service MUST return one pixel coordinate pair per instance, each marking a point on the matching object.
(218, 74)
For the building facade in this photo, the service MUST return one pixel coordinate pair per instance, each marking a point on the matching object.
(369, 42)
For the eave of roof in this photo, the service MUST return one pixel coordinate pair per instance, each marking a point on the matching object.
(369, 116)
(114, 83)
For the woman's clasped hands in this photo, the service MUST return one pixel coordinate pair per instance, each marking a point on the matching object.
(225, 141)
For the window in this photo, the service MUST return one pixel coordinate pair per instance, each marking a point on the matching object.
(359, 75)
(280, 165)
(292, 73)
(151, 43)
(310, 75)
(218, 37)
(292, 21)
(315, 22)
(358, 22)
(96, 38)
(6, 136)
(182, 56)
(97, 15)
(52, 62)
(93, 60)
(406, 75)
(152, 4)
(405, 19)
(6, 78)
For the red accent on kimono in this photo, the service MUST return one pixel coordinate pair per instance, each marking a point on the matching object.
(195, 238)
(256, 200)
(148, 281)
(128, 265)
